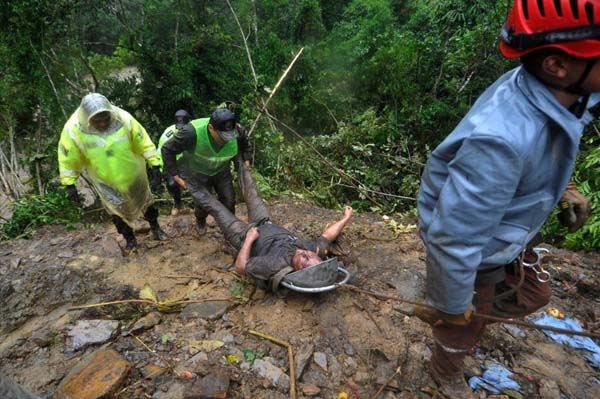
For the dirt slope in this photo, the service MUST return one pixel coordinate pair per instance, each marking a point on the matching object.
(363, 340)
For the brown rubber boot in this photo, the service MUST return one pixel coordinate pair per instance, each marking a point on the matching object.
(446, 369)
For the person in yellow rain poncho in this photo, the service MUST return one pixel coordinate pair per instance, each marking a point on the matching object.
(112, 148)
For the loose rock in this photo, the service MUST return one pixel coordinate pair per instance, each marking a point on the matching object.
(98, 375)
(89, 332)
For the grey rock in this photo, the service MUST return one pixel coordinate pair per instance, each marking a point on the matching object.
(549, 389)
(212, 386)
(208, 310)
(175, 391)
(274, 375)
(89, 332)
(111, 247)
(335, 370)
(146, 322)
(302, 358)
(67, 253)
(349, 350)
(192, 363)
(321, 359)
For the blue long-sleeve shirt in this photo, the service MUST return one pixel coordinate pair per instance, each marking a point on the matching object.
(490, 185)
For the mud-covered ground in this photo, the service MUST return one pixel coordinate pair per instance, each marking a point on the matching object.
(363, 340)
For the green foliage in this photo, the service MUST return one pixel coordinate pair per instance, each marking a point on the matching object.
(250, 355)
(32, 211)
(587, 177)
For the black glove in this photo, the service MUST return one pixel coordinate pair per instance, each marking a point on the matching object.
(73, 195)
(155, 180)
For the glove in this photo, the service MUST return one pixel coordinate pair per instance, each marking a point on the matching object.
(155, 180)
(73, 195)
(575, 208)
(432, 316)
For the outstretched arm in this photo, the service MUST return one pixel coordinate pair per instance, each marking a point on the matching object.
(244, 254)
(333, 231)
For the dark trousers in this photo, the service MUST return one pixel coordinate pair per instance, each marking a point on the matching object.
(151, 215)
(222, 183)
(174, 189)
(233, 228)
(454, 342)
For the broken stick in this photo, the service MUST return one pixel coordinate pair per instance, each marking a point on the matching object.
(290, 358)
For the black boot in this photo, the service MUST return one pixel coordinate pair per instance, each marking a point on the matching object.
(200, 227)
(158, 233)
(131, 242)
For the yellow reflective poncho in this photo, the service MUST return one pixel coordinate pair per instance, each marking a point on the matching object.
(114, 159)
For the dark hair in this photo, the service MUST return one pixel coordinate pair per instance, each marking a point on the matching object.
(533, 61)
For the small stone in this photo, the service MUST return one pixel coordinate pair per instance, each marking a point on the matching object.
(89, 332)
(150, 371)
(192, 363)
(212, 386)
(229, 339)
(274, 376)
(361, 377)
(175, 391)
(111, 247)
(67, 253)
(146, 322)
(310, 390)
(549, 389)
(43, 337)
(211, 310)
(349, 349)
(302, 358)
(321, 359)
(98, 375)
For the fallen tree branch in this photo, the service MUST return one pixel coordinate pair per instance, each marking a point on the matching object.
(277, 85)
(290, 358)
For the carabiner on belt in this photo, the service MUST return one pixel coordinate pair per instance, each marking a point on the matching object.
(541, 274)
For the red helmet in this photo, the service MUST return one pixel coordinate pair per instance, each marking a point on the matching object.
(572, 26)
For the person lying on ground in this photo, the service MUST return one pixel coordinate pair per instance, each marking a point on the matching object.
(263, 248)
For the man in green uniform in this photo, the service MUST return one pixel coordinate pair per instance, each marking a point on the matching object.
(112, 148)
(208, 145)
(182, 118)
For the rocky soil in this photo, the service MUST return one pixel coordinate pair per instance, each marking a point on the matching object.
(343, 342)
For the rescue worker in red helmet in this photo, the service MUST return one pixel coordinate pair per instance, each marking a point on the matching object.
(490, 185)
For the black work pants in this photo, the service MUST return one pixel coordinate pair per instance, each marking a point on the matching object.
(174, 189)
(233, 228)
(151, 215)
(222, 183)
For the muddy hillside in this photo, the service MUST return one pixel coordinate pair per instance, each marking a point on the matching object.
(345, 344)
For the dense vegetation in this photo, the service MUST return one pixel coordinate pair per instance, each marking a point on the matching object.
(379, 84)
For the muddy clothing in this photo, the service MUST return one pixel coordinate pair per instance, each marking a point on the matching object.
(203, 164)
(454, 342)
(185, 140)
(11, 390)
(275, 247)
(490, 185)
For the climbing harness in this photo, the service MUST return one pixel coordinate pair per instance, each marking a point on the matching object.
(542, 275)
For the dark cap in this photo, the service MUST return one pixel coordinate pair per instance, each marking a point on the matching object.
(223, 120)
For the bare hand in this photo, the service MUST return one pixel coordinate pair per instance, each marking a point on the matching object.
(252, 234)
(348, 211)
(247, 162)
(180, 181)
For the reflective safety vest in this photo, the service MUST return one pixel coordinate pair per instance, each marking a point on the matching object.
(167, 135)
(205, 159)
